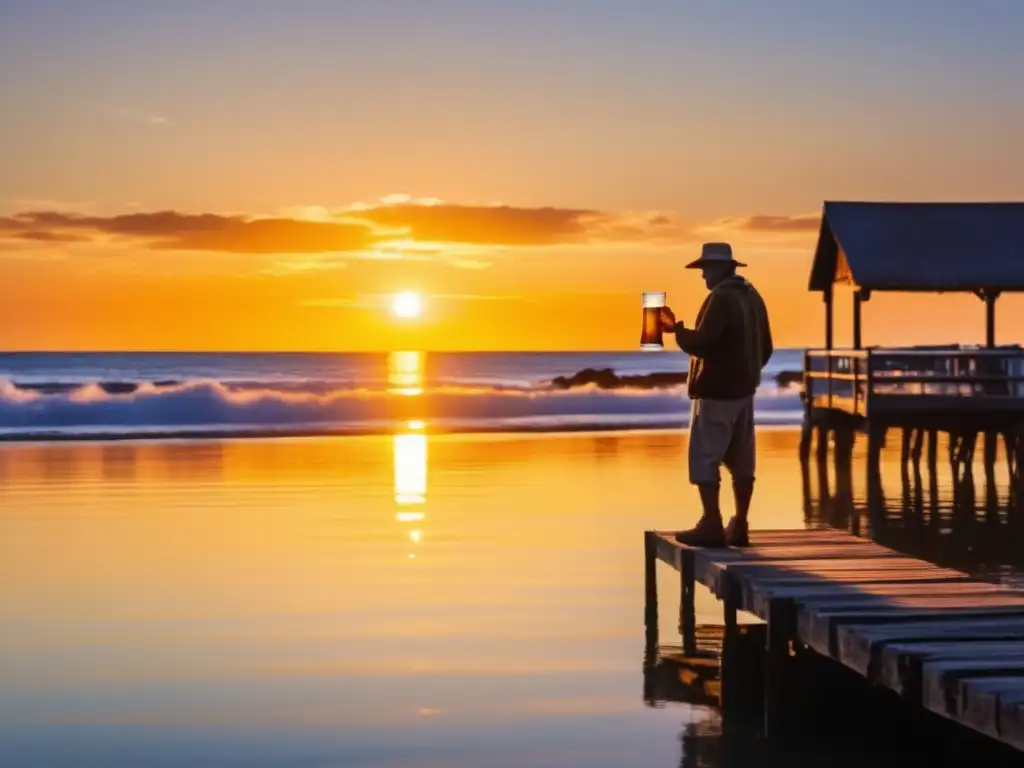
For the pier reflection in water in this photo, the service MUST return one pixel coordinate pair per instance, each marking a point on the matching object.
(952, 504)
(702, 745)
(958, 504)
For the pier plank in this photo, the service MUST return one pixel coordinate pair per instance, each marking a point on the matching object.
(818, 625)
(823, 551)
(756, 594)
(845, 570)
(899, 666)
(795, 549)
(974, 692)
(884, 593)
(1011, 722)
(667, 550)
(951, 643)
(861, 644)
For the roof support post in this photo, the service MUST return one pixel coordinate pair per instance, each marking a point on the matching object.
(856, 320)
(990, 317)
(827, 296)
(859, 296)
(989, 296)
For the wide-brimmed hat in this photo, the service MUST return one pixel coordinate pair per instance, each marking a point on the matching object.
(714, 253)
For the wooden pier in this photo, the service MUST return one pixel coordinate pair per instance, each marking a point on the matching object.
(962, 392)
(935, 639)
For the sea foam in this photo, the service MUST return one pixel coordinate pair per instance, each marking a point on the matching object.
(205, 406)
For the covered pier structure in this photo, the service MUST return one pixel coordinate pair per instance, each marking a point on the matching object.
(959, 390)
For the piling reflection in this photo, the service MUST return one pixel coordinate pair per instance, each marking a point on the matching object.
(702, 745)
(959, 507)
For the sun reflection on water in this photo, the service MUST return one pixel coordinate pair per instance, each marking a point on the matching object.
(410, 452)
(405, 372)
(410, 468)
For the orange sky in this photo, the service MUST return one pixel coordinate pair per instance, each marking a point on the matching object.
(491, 277)
(528, 168)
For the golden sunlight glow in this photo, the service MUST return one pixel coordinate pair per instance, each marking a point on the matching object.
(405, 373)
(406, 305)
(410, 469)
(410, 450)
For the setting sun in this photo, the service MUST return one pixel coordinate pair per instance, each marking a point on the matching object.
(406, 304)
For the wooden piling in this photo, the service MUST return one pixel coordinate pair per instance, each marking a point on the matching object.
(806, 438)
(731, 685)
(844, 440)
(650, 589)
(875, 494)
(779, 672)
(687, 609)
(933, 475)
(822, 460)
(991, 489)
(917, 444)
(905, 441)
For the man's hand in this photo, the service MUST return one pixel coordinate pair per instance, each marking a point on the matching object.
(668, 320)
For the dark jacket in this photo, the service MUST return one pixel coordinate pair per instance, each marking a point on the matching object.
(731, 343)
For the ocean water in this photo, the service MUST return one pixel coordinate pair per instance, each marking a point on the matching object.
(61, 395)
(385, 601)
(403, 600)
(406, 599)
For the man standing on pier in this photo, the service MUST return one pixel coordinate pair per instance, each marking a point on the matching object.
(728, 348)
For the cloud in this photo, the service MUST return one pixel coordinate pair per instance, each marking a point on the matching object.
(397, 228)
(306, 264)
(401, 228)
(171, 230)
(46, 236)
(499, 224)
(482, 225)
(807, 222)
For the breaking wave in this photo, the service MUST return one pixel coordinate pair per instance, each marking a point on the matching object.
(202, 407)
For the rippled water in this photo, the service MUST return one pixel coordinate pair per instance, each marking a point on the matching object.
(411, 600)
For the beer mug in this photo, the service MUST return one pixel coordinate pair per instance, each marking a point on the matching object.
(650, 335)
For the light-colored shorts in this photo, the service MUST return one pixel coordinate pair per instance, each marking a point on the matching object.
(721, 432)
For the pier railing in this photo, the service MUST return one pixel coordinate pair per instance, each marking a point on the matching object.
(915, 379)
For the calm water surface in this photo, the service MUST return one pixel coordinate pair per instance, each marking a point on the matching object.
(409, 600)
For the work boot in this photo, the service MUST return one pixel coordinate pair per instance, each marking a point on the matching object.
(707, 533)
(737, 533)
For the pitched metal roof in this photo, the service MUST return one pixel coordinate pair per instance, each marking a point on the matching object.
(921, 246)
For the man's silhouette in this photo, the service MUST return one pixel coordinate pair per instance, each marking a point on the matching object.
(728, 349)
